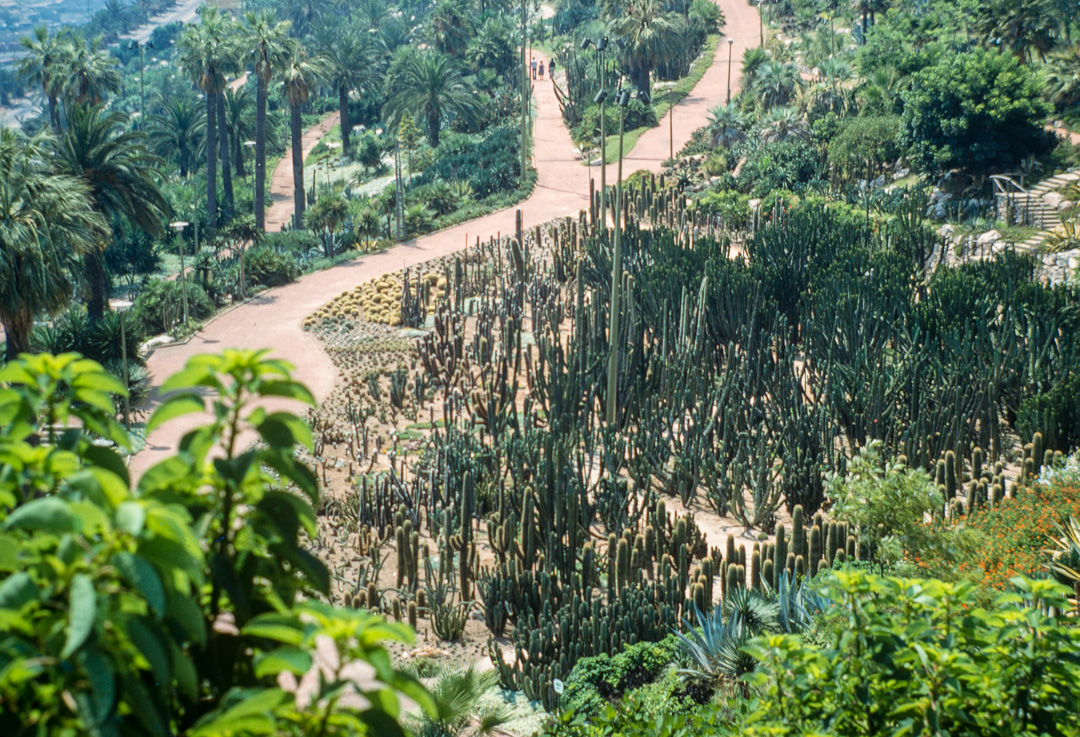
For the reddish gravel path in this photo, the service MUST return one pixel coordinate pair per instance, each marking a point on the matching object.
(274, 319)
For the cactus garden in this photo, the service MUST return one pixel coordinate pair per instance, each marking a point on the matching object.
(519, 493)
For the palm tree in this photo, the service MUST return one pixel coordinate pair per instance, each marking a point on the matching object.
(726, 125)
(458, 692)
(178, 133)
(351, 66)
(40, 65)
(46, 223)
(267, 45)
(1063, 78)
(206, 53)
(784, 124)
(1019, 26)
(119, 173)
(327, 215)
(451, 27)
(775, 83)
(89, 72)
(650, 34)
(430, 84)
(298, 77)
(239, 125)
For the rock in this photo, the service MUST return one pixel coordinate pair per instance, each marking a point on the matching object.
(157, 341)
(1066, 205)
(1053, 199)
(988, 238)
(754, 205)
(946, 230)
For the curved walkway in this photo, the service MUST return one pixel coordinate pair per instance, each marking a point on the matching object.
(274, 319)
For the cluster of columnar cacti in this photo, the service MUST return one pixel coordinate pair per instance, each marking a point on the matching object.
(735, 382)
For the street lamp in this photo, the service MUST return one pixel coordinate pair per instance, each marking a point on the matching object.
(179, 226)
(601, 100)
(243, 281)
(142, 78)
(730, 43)
(121, 306)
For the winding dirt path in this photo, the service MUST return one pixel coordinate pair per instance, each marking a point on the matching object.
(274, 319)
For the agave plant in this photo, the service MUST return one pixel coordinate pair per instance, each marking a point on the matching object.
(1063, 238)
(797, 604)
(1065, 557)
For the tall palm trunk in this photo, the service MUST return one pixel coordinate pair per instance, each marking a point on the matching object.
(54, 115)
(346, 123)
(95, 281)
(260, 154)
(433, 128)
(211, 162)
(17, 331)
(226, 159)
(297, 165)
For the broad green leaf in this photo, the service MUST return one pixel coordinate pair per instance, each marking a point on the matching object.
(9, 559)
(144, 708)
(109, 460)
(82, 610)
(102, 683)
(291, 659)
(173, 407)
(18, 589)
(143, 577)
(149, 642)
(294, 471)
(284, 430)
(277, 627)
(189, 377)
(130, 518)
(186, 613)
(48, 514)
(252, 712)
(187, 680)
(287, 511)
(287, 389)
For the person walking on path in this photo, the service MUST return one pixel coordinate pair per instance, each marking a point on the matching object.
(541, 69)
(534, 68)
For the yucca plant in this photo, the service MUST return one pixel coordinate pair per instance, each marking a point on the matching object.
(1065, 237)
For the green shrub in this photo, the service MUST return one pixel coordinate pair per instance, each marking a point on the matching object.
(731, 207)
(296, 241)
(114, 596)
(159, 307)
(915, 656)
(270, 267)
(489, 164)
(595, 682)
(1056, 414)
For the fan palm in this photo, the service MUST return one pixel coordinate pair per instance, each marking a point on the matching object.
(178, 132)
(207, 52)
(40, 66)
(1020, 26)
(458, 692)
(89, 72)
(351, 66)
(239, 125)
(784, 124)
(47, 222)
(430, 84)
(119, 173)
(651, 34)
(726, 125)
(451, 27)
(267, 47)
(1063, 78)
(775, 83)
(298, 76)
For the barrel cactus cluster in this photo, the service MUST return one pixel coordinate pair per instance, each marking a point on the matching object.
(393, 299)
(555, 495)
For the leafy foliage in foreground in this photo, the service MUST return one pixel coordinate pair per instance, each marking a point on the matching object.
(153, 611)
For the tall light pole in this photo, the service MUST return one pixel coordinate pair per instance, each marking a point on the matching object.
(121, 306)
(249, 145)
(525, 86)
(179, 226)
(142, 78)
(730, 43)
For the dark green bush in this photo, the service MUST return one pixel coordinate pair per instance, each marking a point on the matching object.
(159, 306)
(1056, 414)
(490, 165)
(597, 681)
(297, 241)
(270, 267)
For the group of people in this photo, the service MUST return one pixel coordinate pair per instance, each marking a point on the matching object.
(540, 69)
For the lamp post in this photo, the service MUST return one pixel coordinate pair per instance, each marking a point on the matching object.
(142, 78)
(121, 306)
(243, 281)
(601, 100)
(730, 43)
(179, 226)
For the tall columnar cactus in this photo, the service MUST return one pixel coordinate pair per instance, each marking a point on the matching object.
(798, 531)
(779, 556)
(950, 475)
